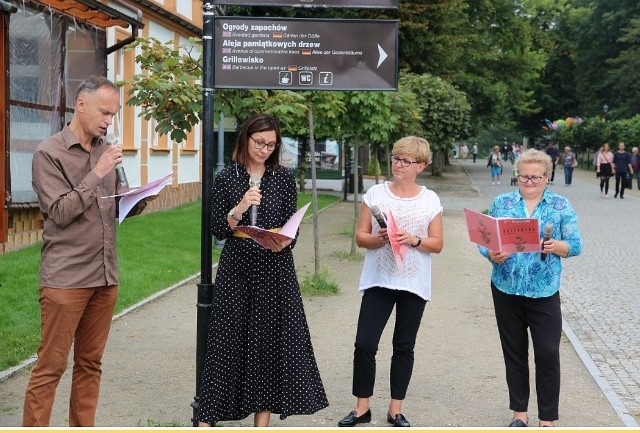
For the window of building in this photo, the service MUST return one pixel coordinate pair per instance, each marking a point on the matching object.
(49, 54)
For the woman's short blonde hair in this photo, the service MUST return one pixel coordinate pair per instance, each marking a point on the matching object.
(534, 156)
(416, 147)
(496, 147)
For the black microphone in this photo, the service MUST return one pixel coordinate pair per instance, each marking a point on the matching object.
(254, 181)
(377, 214)
(548, 232)
(112, 140)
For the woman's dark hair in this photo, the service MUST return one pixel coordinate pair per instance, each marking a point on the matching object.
(258, 123)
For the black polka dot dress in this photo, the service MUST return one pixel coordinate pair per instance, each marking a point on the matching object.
(259, 354)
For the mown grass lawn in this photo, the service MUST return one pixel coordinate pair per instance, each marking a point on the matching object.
(155, 251)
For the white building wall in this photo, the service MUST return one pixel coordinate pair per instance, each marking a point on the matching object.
(186, 165)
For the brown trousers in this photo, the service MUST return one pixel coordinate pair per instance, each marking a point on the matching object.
(81, 317)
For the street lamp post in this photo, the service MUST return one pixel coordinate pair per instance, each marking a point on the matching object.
(605, 108)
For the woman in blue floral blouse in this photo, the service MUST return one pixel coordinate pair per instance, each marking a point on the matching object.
(525, 289)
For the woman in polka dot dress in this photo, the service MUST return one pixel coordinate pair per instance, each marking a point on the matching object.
(259, 356)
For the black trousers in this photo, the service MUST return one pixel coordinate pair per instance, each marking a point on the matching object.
(621, 181)
(375, 309)
(543, 318)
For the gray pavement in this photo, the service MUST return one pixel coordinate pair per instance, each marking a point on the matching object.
(458, 380)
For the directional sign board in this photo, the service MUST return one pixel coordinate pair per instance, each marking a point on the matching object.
(305, 54)
(389, 4)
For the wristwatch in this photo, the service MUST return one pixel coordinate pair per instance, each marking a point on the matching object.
(232, 214)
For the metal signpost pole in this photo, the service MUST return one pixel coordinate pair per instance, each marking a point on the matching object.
(206, 275)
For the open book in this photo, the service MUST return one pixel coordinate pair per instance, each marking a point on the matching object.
(508, 235)
(129, 199)
(288, 230)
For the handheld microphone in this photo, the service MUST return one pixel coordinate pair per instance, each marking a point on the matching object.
(377, 214)
(254, 181)
(112, 140)
(548, 232)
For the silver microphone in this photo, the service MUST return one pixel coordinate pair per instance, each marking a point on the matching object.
(548, 232)
(377, 214)
(254, 181)
(112, 140)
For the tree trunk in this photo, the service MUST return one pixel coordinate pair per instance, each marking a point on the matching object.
(437, 166)
(314, 197)
(356, 188)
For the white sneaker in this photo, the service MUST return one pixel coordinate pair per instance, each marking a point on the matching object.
(498, 182)
(606, 196)
(493, 183)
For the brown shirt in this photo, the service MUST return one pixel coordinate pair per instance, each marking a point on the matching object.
(79, 236)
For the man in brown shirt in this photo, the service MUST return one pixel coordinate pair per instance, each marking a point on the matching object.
(74, 177)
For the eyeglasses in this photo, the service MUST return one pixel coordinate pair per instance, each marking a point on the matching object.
(534, 179)
(261, 144)
(403, 162)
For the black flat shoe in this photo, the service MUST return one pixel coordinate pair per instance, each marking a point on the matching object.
(352, 419)
(517, 422)
(398, 421)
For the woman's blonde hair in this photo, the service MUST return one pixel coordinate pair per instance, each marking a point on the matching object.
(416, 147)
(534, 156)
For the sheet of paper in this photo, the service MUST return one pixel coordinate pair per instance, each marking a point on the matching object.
(129, 199)
(509, 235)
(288, 230)
(400, 251)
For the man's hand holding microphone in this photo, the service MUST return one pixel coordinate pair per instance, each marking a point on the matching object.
(111, 159)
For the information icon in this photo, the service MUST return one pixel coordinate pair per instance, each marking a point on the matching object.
(326, 78)
(286, 78)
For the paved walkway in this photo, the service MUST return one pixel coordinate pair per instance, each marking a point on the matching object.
(458, 381)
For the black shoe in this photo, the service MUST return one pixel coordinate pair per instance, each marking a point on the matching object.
(517, 422)
(399, 421)
(352, 419)
(615, 195)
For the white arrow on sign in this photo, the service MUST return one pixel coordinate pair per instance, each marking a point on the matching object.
(383, 55)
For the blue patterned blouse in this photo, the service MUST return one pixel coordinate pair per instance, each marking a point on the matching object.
(525, 274)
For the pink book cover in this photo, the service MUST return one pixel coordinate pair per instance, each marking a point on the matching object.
(509, 235)
(288, 230)
(400, 251)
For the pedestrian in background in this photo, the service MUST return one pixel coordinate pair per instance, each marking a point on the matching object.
(525, 289)
(553, 153)
(259, 358)
(595, 156)
(75, 181)
(604, 169)
(505, 150)
(569, 162)
(418, 214)
(635, 164)
(464, 151)
(474, 151)
(494, 162)
(622, 165)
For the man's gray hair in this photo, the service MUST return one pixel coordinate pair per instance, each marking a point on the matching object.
(94, 82)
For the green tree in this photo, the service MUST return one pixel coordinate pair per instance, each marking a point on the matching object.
(605, 41)
(445, 114)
